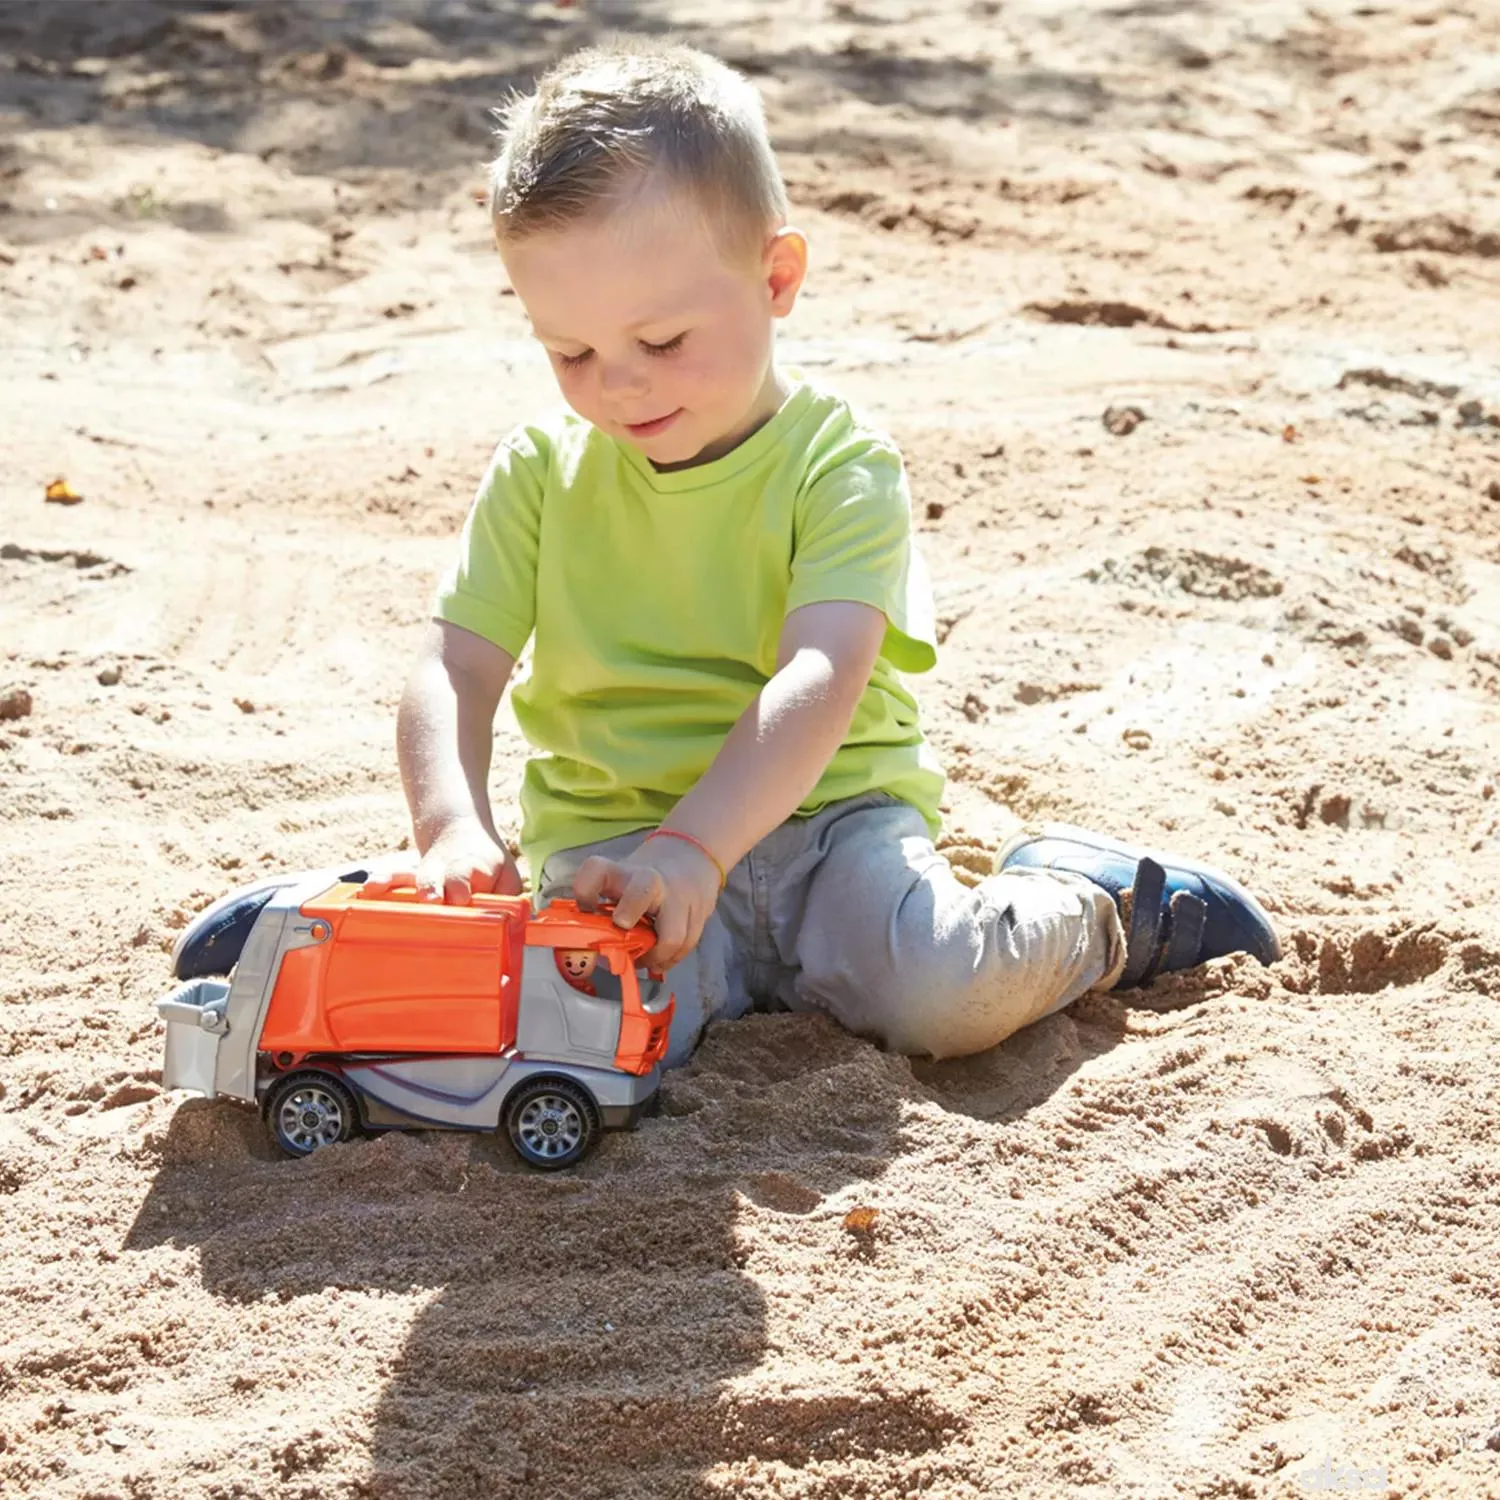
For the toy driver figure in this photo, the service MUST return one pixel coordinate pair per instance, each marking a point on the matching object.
(576, 965)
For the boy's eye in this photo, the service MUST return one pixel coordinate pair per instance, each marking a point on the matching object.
(574, 361)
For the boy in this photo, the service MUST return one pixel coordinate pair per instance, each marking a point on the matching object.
(715, 562)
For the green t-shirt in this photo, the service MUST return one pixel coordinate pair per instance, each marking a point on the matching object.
(657, 602)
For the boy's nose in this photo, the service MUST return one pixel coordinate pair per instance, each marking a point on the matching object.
(623, 378)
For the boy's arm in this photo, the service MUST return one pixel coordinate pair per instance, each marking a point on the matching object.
(764, 770)
(782, 743)
(444, 736)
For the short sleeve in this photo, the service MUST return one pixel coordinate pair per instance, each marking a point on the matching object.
(853, 542)
(491, 586)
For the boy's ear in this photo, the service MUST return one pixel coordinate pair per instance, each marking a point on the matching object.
(786, 268)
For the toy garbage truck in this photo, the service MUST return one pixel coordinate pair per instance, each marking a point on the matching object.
(338, 1008)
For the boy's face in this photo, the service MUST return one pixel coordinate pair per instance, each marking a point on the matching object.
(654, 335)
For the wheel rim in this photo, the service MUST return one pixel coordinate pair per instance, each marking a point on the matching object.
(550, 1126)
(310, 1117)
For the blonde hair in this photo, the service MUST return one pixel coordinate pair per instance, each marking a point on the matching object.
(606, 119)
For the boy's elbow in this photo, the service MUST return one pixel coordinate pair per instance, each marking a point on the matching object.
(834, 693)
(474, 668)
(416, 695)
(419, 712)
(846, 688)
(453, 684)
(426, 677)
(844, 637)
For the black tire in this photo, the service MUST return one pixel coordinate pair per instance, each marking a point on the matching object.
(307, 1111)
(552, 1123)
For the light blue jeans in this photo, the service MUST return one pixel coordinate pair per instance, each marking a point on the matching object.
(853, 913)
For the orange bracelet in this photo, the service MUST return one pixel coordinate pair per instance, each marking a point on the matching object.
(677, 833)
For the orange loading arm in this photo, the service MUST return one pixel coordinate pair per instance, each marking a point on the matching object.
(643, 1036)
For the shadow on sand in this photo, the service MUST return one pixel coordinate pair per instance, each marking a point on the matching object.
(344, 88)
(591, 1329)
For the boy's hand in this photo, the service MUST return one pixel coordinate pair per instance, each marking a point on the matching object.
(462, 859)
(665, 879)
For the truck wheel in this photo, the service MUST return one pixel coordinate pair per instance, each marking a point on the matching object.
(551, 1122)
(307, 1111)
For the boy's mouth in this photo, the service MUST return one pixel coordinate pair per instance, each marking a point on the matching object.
(650, 429)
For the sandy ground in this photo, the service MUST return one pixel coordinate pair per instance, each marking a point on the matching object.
(1235, 1236)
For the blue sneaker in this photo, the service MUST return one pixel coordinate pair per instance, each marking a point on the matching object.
(1176, 913)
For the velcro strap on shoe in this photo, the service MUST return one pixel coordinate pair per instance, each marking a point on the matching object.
(1143, 941)
(1186, 917)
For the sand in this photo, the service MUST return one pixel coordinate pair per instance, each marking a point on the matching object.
(1186, 316)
